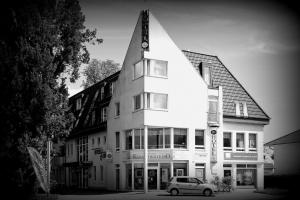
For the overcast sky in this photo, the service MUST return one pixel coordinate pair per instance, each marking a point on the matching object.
(258, 42)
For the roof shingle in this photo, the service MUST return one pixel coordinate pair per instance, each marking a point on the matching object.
(232, 89)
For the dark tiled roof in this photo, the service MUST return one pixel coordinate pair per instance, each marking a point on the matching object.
(90, 101)
(293, 137)
(232, 89)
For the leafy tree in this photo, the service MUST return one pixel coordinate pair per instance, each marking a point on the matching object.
(98, 70)
(42, 43)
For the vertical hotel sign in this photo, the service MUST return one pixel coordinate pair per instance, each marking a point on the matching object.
(213, 157)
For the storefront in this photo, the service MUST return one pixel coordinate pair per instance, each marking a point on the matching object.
(161, 168)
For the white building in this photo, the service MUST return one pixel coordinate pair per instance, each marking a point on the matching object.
(194, 115)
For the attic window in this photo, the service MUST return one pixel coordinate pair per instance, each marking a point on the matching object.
(78, 104)
(245, 109)
(205, 72)
(237, 109)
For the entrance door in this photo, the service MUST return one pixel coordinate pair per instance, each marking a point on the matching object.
(117, 179)
(152, 179)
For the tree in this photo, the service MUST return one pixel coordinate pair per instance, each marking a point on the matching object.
(98, 70)
(42, 43)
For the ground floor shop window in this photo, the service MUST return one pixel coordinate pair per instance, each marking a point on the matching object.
(180, 169)
(246, 175)
(200, 171)
(165, 175)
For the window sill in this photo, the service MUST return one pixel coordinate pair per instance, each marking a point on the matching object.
(157, 109)
(157, 76)
(116, 117)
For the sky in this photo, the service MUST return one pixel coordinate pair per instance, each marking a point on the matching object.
(258, 41)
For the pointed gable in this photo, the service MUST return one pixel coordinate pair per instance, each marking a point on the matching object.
(233, 91)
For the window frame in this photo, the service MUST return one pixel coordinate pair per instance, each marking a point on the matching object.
(141, 102)
(117, 134)
(134, 77)
(186, 139)
(244, 144)
(149, 96)
(231, 138)
(197, 146)
(252, 148)
(151, 63)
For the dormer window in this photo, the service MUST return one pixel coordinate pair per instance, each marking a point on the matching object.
(111, 88)
(78, 104)
(102, 93)
(245, 109)
(237, 109)
(205, 72)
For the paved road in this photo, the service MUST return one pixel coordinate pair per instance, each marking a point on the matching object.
(162, 195)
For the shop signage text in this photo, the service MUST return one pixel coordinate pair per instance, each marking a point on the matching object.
(152, 155)
(213, 157)
(240, 156)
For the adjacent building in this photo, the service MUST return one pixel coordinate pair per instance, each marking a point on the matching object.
(168, 112)
(286, 153)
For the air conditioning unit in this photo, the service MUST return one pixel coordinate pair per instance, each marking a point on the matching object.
(109, 155)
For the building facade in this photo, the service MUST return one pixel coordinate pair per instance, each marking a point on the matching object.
(166, 113)
(286, 149)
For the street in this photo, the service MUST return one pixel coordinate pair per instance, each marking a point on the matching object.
(236, 195)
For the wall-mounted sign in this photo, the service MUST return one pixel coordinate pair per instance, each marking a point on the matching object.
(240, 156)
(152, 156)
(213, 156)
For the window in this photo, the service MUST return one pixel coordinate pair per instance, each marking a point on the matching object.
(167, 133)
(93, 141)
(138, 138)
(103, 114)
(95, 172)
(137, 102)
(213, 111)
(157, 101)
(128, 140)
(157, 68)
(199, 139)
(71, 148)
(93, 117)
(182, 180)
(237, 109)
(101, 172)
(98, 141)
(117, 109)
(240, 142)
(104, 139)
(82, 149)
(180, 138)
(111, 88)
(138, 70)
(117, 141)
(102, 93)
(158, 138)
(155, 138)
(227, 141)
(245, 110)
(78, 104)
(252, 142)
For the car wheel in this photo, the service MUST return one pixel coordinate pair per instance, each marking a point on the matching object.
(207, 192)
(174, 192)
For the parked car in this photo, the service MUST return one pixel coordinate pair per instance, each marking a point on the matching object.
(189, 185)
